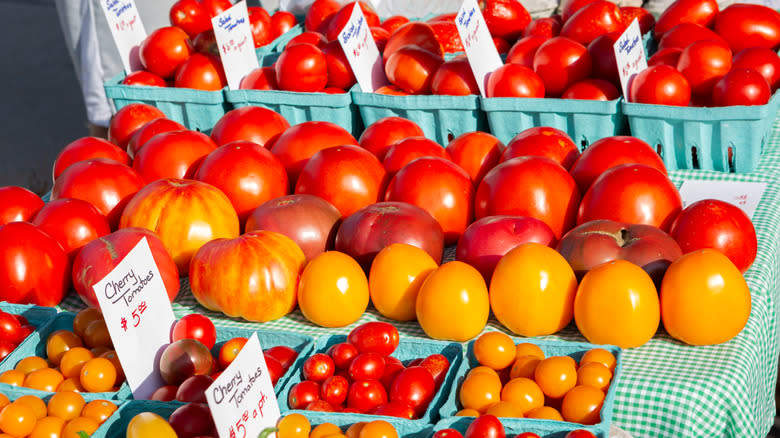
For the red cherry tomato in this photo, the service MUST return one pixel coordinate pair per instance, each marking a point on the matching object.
(302, 67)
(195, 326)
(303, 393)
(164, 50)
(560, 62)
(343, 354)
(514, 80)
(367, 366)
(72, 223)
(380, 135)
(741, 86)
(334, 390)
(10, 328)
(366, 395)
(447, 433)
(230, 350)
(18, 204)
(284, 354)
(485, 426)
(275, 369)
(749, 25)
(437, 365)
(394, 409)
(374, 337)
(318, 367)
(660, 85)
(6, 347)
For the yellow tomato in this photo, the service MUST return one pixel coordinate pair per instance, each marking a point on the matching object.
(453, 303)
(617, 304)
(495, 350)
(333, 291)
(704, 298)
(532, 290)
(395, 278)
(148, 424)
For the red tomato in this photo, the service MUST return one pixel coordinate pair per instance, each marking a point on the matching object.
(660, 85)
(505, 18)
(104, 183)
(34, 266)
(668, 56)
(447, 433)
(340, 18)
(412, 68)
(72, 223)
(684, 34)
(543, 141)
(374, 337)
(281, 23)
(703, 63)
(343, 354)
(447, 35)
(437, 365)
(475, 152)
(201, 72)
(175, 154)
(380, 36)
(303, 393)
(392, 23)
(309, 37)
(646, 19)
(164, 50)
(592, 89)
(215, 7)
(530, 186)
(560, 62)
(366, 395)
(334, 390)
(701, 12)
(580, 433)
(149, 130)
(485, 426)
(547, 27)
(229, 351)
(514, 80)
(602, 54)
(275, 370)
(394, 409)
(380, 135)
(524, 50)
(319, 12)
(302, 67)
(741, 86)
(144, 78)
(128, 119)
(349, 177)
(296, 145)
(593, 20)
(190, 16)
(10, 328)
(454, 78)
(18, 204)
(392, 369)
(195, 326)
(318, 367)
(414, 387)
(260, 25)
(764, 61)
(439, 187)
(402, 152)
(251, 123)
(283, 354)
(632, 193)
(206, 42)
(570, 7)
(608, 152)
(6, 347)
(749, 25)
(339, 71)
(247, 173)
(263, 78)
(414, 33)
(85, 148)
(367, 366)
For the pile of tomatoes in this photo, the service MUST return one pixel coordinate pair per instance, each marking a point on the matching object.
(65, 415)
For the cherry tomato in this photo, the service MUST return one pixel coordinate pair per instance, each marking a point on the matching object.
(661, 85)
(367, 366)
(343, 354)
(284, 354)
(303, 393)
(485, 426)
(374, 337)
(164, 50)
(318, 367)
(447, 433)
(437, 365)
(229, 351)
(514, 80)
(395, 409)
(10, 328)
(366, 395)
(302, 67)
(275, 370)
(334, 390)
(741, 86)
(195, 326)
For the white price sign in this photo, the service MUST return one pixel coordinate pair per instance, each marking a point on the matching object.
(477, 42)
(242, 399)
(127, 29)
(745, 195)
(361, 52)
(139, 317)
(630, 54)
(236, 46)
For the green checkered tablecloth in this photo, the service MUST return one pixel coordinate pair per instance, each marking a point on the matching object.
(668, 389)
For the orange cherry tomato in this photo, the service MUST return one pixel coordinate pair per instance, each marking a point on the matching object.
(36, 404)
(524, 393)
(46, 379)
(324, 430)
(524, 366)
(59, 342)
(17, 419)
(582, 405)
(98, 410)
(354, 430)
(72, 361)
(30, 364)
(378, 429)
(84, 318)
(600, 355)
(505, 409)
(293, 426)
(479, 391)
(75, 427)
(556, 375)
(495, 350)
(467, 413)
(66, 405)
(72, 384)
(528, 349)
(98, 375)
(148, 424)
(544, 413)
(12, 377)
(594, 374)
(48, 427)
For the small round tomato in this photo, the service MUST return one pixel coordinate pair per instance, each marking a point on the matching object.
(164, 50)
(318, 367)
(485, 426)
(495, 350)
(514, 80)
(556, 375)
(660, 85)
(149, 424)
(342, 354)
(741, 86)
(284, 354)
(293, 426)
(375, 337)
(414, 387)
(334, 390)
(303, 393)
(229, 351)
(18, 204)
(202, 71)
(524, 393)
(10, 328)
(195, 326)
(367, 366)
(582, 405)
(366, 395)
(302, 67)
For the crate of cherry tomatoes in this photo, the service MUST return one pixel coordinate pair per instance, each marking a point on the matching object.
(371, 374)
(530, 382)
(18, 321)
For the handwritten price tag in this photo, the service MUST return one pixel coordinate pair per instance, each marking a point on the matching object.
(745, 195)
(477, 42)
(236, 46)
(139, 317)
(361, 52)
(630, 54)
(127, 30)
(242, 399)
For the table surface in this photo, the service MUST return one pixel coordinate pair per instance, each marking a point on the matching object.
(667, 388)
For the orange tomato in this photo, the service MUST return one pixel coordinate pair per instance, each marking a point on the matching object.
(17, 419)
(524, 393)
(378, 429)
(495, 350)
(505, 409)
(98, 375)
(73, 360)
(12, 377)
(98, 410)
(704, 298)
(454, 290)
(483, 369)
(528, 349)
(467, 413)
(594, 374)
(544, 413)
(324, 430)
(148, 424)
(354, 430)
(524, 366)
(532, 290)
(4, 401)
(600, 355)
(556, 375)
(76, 426)
(72, 384)
(617, 304)
(35, 403)
(83, 318)
(97, 335)
(333, 291)
(582, 405)
(48, 427)
(394, 281)
(46, 379)
(66, 405)
(229, 351)
(30, 364)
(479, 391)
(120, 373)
(293, 426)
(59, 342)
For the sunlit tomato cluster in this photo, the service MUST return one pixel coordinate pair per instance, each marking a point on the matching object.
(297, 426)
(489, 425)
(65, 414)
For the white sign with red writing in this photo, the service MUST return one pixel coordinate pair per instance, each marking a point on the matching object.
(361, 52)
(127, 29)
(139, 317)
(242, 399)
(477, 42)
(630, 54)
(236, 46)
(745, 195)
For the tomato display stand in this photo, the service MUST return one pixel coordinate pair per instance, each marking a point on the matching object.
(550, 347)
(545, 429)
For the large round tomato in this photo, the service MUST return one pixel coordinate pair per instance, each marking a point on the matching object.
(34, 266)
(319, 12)
(764, 61)
(439, 187)
(411, 68)
(703, 63)
(454, 78)
(684, 34)
(260, 25)
(297, 144)
(514, 80)
(104, 183)
(340, 18)
(530, 186)
(741, 86)
(602, 54)
(164, 50)
(190, 16)
(129, 119)
(333, 291)
(247, 173)
(72, 223)
(395, 278)
(404, 151)
(85, 148)
(339, 71)
(593, 20)
(414, 33)
(98, 257)
(380, 135)
(349, 177)
(184, 213)
(701, 12)
(560, 62)
(749, 25)
(661, 85)
(215, 7)
(543, 141)
(302, 67)
(505, 18)
(18, 204)
(281, 22)
(524, 50)
(261, 78)
(202, 71)
(632, 193)
(175, 154)
(149, 130)
(251, 123)
(547, 27)
(475, 152)
(592, 89)
(262, 267)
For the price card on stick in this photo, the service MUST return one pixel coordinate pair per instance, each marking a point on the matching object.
(242, 399)
(745, 195)
(127, 30)
(138, 316)
(477, 42)
(236, 46)
(362, 53)
(630, 54)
